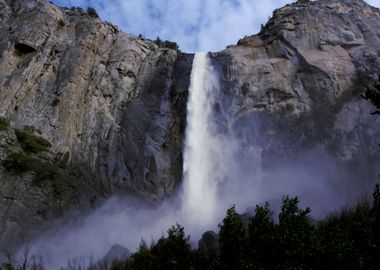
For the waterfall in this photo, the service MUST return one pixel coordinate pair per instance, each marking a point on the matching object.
(202, 145)
(221, 165)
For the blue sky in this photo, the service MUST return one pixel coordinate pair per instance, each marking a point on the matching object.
(196, 25)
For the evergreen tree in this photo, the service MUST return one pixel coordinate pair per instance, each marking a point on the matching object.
(344, 239)
(261, 235)
(142, 259)
(232, 241)
(173, 252)
(376, 228)
(295, 235)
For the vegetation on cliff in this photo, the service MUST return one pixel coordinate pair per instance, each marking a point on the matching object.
(29, 154)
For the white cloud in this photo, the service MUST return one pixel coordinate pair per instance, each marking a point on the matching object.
(375, 3)
(196, 25)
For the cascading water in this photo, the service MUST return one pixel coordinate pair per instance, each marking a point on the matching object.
(203, 147)
(221, 165)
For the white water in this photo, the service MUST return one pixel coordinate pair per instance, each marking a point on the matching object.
(199, 188)
(204, 148)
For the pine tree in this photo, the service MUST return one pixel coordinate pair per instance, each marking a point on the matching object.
(376, 228)
(232, 241)
(173, 252)
(295, 236)
(261, 236)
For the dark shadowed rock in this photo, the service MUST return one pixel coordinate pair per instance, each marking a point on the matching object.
(209, 243)
(117, 252)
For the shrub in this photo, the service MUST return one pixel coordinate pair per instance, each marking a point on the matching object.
(6, 266)
(158, 41)
(30, 142)
(4, 124)
(65, 158)
(43, 170)
(166, 44)
(92, 12)
(344, 239)
(18, 162)
(243, 42)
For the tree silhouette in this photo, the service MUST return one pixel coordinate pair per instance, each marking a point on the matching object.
(295, 235)
(261, 238)
(232, 241)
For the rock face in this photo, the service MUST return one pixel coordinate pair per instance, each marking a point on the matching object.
(92, 111)
(297, 86)
(116, 252)
(112, 104)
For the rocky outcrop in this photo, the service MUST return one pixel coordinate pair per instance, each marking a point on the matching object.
(112, 104)
(296, 86)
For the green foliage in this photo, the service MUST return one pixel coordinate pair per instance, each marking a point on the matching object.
(18, 162)
(261, 235)
(295, 235)
(341, 241)
(166, 44)
(92, 12)
(22, 162)
(64, 160)
(4, 124)
(158, 41)
(6, 266)
(172, 252)
(143, 259)
(232, 240)
(44, 171)
(243, 42)
(375, 211)
(344, 239)
(30, 142)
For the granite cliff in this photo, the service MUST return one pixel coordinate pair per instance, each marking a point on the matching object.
(88, 111)
(109, 107)
(298, 84)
